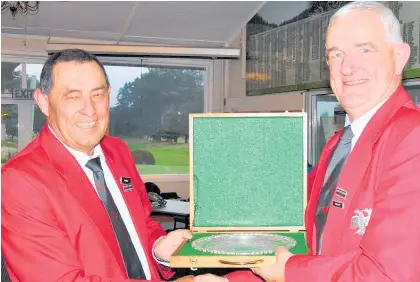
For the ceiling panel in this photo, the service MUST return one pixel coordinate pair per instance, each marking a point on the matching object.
(195, 23)
(89, 15)
(191, 20)
(8, 21)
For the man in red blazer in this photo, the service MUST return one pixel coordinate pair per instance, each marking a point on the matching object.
(372, 231)
(74, 207)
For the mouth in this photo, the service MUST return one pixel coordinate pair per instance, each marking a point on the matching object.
(86, 125)
(354, 82)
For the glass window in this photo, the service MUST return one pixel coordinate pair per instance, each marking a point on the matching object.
(11, 77)
(414, 92)
(330, 117)
(149, 111)
(33, 72)
(9, 131)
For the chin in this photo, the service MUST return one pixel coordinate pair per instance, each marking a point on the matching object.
(90, 139)
(352, 102)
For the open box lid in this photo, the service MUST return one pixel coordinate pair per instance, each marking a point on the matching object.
(247, 171)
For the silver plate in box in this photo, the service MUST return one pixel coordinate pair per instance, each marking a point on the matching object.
(243, 244)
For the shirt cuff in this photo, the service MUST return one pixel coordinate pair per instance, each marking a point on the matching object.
(162, 262)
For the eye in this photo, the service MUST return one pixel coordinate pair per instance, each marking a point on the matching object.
(72, 96)
(336, 54)
(364, 51)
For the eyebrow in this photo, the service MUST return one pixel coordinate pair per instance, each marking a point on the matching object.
(101, 87)
(370, 44)
(361, 44)
(332, 49)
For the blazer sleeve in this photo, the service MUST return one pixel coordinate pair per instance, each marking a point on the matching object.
(389, 250)
(33, 244)
(243, 275)
(154, 229)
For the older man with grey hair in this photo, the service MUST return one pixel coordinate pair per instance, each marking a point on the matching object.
(362, 218)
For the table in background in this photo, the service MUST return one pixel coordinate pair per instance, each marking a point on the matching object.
(177, 209)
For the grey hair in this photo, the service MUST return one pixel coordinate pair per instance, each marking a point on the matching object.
(68, 55)
(389, 20)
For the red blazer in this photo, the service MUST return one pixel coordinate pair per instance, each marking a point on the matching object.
(381, 178)
(310, 180)
(54, 226)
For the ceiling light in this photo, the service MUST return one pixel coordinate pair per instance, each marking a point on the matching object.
(24, 7)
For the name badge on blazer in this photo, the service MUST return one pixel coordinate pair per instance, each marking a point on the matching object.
(126, 183)
(341, 193)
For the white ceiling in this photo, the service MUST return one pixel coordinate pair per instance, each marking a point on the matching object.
(195, 24)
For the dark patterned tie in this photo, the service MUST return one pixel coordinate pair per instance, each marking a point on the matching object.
(129, 254)
(336, 164)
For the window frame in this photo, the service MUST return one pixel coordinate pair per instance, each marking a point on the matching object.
(206, 65)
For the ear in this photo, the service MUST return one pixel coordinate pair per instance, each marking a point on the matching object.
(109, 93)
(41, 100)
(402, 54)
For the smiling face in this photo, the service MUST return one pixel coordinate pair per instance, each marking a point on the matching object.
(77, 107)
(365, 68)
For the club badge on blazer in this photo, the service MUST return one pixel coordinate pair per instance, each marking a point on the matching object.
(126, 183)
(361, 220)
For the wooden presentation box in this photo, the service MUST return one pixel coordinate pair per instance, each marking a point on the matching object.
(247, 175)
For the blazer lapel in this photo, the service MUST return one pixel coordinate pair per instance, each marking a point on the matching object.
(79, 186)
(316, 190)
(133, 201)
(358, 166)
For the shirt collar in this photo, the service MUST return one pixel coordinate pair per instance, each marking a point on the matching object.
(360, 123)
(80, 157)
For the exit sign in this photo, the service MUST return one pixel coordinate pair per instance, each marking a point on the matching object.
(22, 94)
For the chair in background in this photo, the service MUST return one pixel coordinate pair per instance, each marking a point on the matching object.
(181, 219)
(152, 187)
(177, 219)
(170, 196)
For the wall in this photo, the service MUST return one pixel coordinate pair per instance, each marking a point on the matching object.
(236, 99)
(28, 47)
(176, 183)
(36, 45)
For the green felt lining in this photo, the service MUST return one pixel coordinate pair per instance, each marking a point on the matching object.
(188, 250)
(248, 171)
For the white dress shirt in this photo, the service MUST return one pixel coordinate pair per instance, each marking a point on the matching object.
(359, 124)
(82, 159)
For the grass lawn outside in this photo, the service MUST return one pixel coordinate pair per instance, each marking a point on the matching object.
(169, 158)
(8, 149)
(8, 143)
(159, 169)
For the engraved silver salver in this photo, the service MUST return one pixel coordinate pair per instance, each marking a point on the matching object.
(242, 243)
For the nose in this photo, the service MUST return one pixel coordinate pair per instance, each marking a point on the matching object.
(88, 107)
(347, 65)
